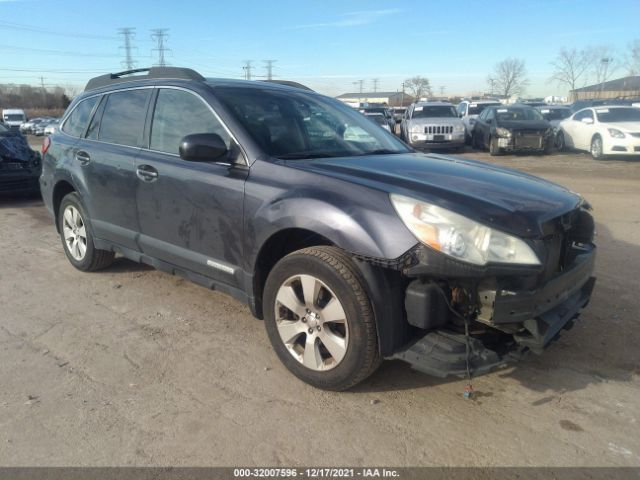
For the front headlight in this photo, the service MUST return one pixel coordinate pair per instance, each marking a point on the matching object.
(416, 128)
(503, 132)
(459, 128)
(615, 133)
(460, 237)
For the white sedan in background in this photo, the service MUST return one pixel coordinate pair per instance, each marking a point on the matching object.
(606, 130)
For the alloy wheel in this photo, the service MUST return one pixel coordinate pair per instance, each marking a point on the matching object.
(311, 322)
(75, 233)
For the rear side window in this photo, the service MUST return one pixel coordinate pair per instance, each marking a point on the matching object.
(77, 122)
(123, 118)
(177, 114)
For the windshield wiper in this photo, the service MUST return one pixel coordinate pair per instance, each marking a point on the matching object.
(381, 151)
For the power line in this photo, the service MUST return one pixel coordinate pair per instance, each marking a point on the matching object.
(247, 69)
(29, 28)
(127, 35)
(160, 35)
(269, 67)
(375, 84)
(16, 48)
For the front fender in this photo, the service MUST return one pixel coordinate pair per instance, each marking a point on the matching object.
(358, 219)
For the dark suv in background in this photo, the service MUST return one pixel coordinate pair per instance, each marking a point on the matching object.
(351, 246)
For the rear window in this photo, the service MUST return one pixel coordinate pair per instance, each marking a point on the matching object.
(555, 113)
(123, 118)
(76, 123)
(13, 117)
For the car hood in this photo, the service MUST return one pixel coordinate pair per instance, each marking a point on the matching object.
(525, 125)
(509, 200)
(627, 127)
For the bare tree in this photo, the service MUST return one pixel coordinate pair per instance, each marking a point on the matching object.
(418, 87)
(570, 66)
(509, 77)
(603, 63)
(633, 58)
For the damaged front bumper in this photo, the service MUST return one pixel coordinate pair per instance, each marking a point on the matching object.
(506, 322)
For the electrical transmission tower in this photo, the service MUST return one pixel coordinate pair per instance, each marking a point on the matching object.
(160, 35)
(247, 69)
(127, 36)
(375, 84)
(268, 64)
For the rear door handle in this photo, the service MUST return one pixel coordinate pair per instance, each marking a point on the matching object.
(146, 173)
(83, 157)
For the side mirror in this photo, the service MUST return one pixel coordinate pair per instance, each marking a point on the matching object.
(587, 120)
(202, 147)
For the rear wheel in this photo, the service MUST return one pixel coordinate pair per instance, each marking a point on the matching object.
(77, 236)
(319, 318)
(596, 148)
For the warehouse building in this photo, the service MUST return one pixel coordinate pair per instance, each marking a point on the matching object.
(627, 87)
(393, 99)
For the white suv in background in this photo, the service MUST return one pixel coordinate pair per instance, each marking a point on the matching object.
(469, 110)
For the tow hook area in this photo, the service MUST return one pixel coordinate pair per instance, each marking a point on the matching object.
(442, 353)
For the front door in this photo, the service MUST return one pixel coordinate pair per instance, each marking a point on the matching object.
(190, 213)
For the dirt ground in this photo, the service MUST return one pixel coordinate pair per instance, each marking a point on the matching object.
(131, 366)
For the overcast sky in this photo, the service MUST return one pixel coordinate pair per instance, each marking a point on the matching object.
(326, 44)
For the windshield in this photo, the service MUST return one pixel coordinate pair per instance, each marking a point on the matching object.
(517, 114)
(13, 117)
(434, 111)
(477, 108)
(555, 113)
(610, 115)
(299, 124)
(383, 111)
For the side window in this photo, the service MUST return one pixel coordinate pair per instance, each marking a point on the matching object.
(460, 109)
(76, 123)
(123, 118)
(94, 126)
(489, 115)
(583, 114)
(179, 113)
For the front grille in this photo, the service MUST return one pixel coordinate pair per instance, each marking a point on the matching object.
(19, 184)
(13, 165)
(438, 129)
(528, 139)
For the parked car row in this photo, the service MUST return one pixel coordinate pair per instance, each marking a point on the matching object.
(20, 167)
(40, 126)
(602, 130)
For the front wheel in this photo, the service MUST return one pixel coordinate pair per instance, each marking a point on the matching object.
(493, 147)
(596, 148)
(319, 318)
(561, 143)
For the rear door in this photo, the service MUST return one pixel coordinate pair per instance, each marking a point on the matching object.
(190, 213)
(107, 153)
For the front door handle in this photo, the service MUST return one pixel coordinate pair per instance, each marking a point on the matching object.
(83, 157)
(146, 173)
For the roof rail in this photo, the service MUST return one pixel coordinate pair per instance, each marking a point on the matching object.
(289, 83)
(153, 72)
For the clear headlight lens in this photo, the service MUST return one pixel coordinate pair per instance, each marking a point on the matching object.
(503, 132)
(615, 133)
(458, 128)
(460, 237)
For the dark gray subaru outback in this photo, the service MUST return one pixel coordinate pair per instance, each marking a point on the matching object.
(351, 246)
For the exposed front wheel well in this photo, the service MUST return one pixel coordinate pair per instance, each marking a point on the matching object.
(276, 247)
(62, 189)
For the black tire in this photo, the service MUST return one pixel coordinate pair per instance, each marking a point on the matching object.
(93, 259)
(337, 271)
(548, 147)
(561, 144)
(596, 148)
(494, 150)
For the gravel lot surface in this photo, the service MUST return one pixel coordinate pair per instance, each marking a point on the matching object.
(131, 366)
